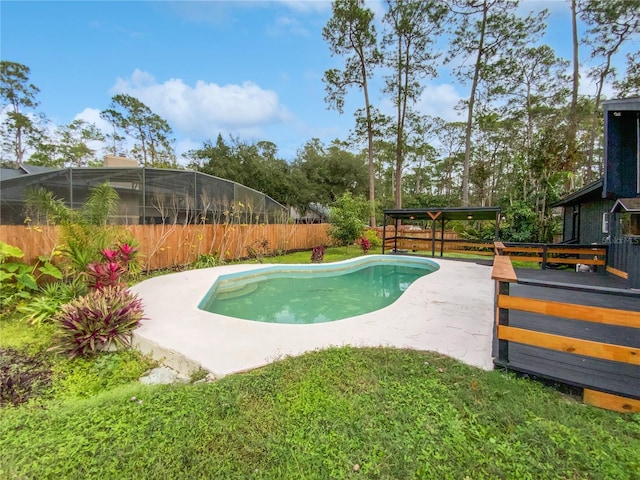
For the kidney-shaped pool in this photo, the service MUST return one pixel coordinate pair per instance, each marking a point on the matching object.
(316, 293)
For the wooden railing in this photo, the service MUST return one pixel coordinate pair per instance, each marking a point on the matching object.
(556, 254)
(423, 241)
(506, 303)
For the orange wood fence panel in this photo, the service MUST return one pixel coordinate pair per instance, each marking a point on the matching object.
(163, 246)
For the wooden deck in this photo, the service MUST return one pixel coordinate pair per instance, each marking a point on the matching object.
(600, 290)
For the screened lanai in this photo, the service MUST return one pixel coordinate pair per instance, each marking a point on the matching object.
(147, 195)
(401, 226)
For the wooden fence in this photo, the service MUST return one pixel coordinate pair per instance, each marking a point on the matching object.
(579, 342)
(424, 241)
(164, 246)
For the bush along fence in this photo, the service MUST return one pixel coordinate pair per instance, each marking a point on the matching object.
(171, 245)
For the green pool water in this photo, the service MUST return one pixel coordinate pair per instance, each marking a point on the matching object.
(304, 297)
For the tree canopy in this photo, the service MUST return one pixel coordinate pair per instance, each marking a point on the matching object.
(529, 135)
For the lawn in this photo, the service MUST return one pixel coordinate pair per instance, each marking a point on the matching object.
(338, 413)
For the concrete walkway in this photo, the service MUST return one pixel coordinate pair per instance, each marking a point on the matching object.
(449, 311)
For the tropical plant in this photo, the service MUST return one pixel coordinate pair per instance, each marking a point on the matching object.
(18, 280)
(85, 232)
(114, 265)
(98, 321)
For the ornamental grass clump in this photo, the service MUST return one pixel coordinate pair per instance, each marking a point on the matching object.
(103, 319)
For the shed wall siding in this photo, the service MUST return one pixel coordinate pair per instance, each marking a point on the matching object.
(591, 221)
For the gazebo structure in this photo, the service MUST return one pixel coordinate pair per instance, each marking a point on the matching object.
(437, 216)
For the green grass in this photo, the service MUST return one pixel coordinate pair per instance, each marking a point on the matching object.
(66, 379)
(339, 413)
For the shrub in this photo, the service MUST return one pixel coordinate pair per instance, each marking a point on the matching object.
(348, 215)
(365, 244)
(98, 321)
(317, 254)
(258, 249)
(373, 238)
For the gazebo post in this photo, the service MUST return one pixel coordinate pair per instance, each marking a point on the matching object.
(433, 237)
(442, 237)
(384, 231)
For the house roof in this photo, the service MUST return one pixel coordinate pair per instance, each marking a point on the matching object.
(588, 191)
(622, 104)
(452, 213)
(24, 169)
(627, 205)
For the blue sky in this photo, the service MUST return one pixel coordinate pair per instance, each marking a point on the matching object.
(250, 69)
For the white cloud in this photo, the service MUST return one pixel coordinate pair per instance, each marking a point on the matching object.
(92, 115)
(440, 101)
(287, 25)
(308, 6)
(206, 109)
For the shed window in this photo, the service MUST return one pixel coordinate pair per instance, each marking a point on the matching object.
(605, 222)
(630, 223)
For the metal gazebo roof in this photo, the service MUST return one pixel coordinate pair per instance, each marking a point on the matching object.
(441, 216)
(446, 214)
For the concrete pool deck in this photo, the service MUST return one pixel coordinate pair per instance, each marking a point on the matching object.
(449, 311)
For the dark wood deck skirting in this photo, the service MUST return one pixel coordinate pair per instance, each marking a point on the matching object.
(621, 378)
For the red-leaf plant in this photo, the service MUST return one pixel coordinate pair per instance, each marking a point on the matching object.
(99, 320)
(365, 244)
(110, 271)
(317, 254)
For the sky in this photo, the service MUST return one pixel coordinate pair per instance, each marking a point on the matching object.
(250, 69)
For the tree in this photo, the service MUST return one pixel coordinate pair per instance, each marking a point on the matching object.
(350, 33)
(629, 86)
(129, 116)
(413, 28)
(18, 96)
(70, 145)
(348, 218)
(488, 32)
(253, 165)
(328, 172)
(575, 86)
(612, 23)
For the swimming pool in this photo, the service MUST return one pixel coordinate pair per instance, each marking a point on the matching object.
(450, 311)
(316, 293)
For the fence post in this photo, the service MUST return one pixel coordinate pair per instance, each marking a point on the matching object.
(503, 319)
(544, 256)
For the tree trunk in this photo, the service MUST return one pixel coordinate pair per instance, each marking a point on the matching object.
(472, 97)
(573, 113)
